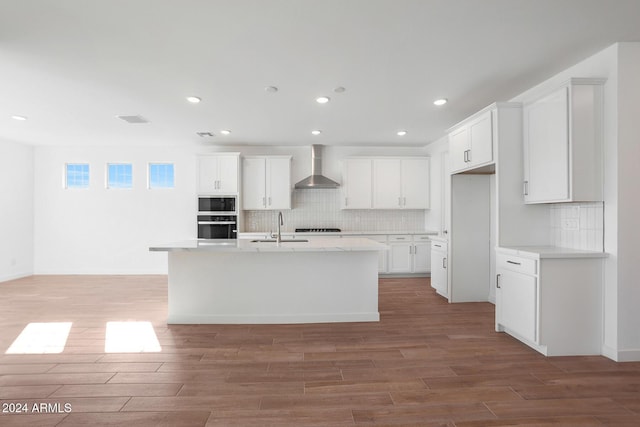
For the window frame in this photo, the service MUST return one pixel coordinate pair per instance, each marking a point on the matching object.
(107, 175)
(65, 176)
(173, 175)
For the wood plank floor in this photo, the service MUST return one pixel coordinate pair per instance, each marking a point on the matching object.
(426, 363)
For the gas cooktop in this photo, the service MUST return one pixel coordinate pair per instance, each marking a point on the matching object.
(317, 230)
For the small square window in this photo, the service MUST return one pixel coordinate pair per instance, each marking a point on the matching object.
(119, 175)
(161, 175)
(76, 175)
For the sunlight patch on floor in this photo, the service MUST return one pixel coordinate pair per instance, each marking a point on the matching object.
(41, 338)
(131, 337)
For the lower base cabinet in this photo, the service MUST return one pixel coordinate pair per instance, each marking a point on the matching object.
(409, 253)
(439, 275)
(552, 304)
(518, 303)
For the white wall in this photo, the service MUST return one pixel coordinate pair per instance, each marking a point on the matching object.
(628, 209)
(101, 231)
(16, 210)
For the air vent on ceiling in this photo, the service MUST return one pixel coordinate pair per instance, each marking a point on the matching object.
(205, 134)
(133, 119)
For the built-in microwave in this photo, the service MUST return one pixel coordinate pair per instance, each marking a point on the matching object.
(222, 205)
(217, 227)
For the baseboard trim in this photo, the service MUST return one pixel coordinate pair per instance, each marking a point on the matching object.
(14, 276)
(621, 355)
(273, 319)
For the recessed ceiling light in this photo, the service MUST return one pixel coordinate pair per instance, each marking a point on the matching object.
(271, 89)
(225, 131)
(21, 118)
(316, 132)
(339, 89)
(440, 101)
(193, 99)
(401, 133)
(322, 99)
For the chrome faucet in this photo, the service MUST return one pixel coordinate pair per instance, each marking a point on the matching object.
(280, 223)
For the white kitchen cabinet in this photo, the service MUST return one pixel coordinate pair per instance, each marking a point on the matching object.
(218, 173)
(439, 279)
(517, 302)
(400, 254)
(471, 142)
(563, 144)
(421, 254)
(401, 183)
(409, 254)
(357, 184)
(266, 182)
(551, 303)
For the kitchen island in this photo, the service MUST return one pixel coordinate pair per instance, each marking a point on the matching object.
(323, 279)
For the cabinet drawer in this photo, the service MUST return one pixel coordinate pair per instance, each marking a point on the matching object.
(421, 238)
(399, 238)
(516, 263)
(437, 245)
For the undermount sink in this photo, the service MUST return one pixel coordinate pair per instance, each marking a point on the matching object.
(281, 241)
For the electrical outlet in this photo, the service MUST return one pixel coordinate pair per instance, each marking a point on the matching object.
(571, 224)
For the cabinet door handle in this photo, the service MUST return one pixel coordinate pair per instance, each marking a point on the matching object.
(346, 201)
(469, 155)
(415, 250)
(399, 201)
(526, 188)
(264, 201)
(444, 262)
(465, 156)
(404, 201)
(438, 246)
(269, 200)
(513, 262)
(498, 281)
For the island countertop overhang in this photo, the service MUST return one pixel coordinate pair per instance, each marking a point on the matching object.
(314, 244)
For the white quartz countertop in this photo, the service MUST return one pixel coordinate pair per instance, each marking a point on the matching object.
(314, 244)
(341, 233)
(550, 252)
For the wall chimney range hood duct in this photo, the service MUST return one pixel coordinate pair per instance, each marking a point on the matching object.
(316, 179)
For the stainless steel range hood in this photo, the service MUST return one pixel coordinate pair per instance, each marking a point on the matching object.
(316, 179)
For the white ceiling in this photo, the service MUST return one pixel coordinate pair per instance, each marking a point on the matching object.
(71, 66)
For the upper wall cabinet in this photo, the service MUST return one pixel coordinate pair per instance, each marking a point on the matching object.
(357, 183)
(471, 142)
(385, 183)
(563, 144)
(266, 182)
(218, 173)
(401, 183)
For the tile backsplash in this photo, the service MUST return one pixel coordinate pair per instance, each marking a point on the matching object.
(320, 208)
(578, 225)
